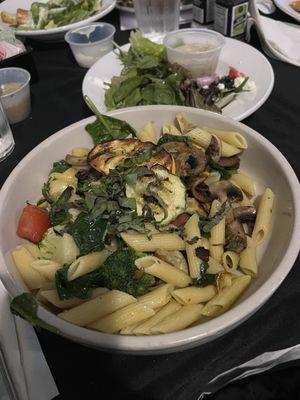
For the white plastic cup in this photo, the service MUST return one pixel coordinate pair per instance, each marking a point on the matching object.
(90, 42)
(17, 104)
(7, 142)
(198, 63)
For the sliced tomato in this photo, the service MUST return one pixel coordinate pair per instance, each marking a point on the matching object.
(234, 73)
(33, 223)
(181, 219)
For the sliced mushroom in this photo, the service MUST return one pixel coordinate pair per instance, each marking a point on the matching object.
(244, 213)
(189, 160)
(235, 237)
(201, 191)
(214, 149)
(77, 161)
(229, 162)
(225, 190)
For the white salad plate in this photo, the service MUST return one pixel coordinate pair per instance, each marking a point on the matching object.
(262, 161)
(237, 54)
(54, 34)
(285, 7)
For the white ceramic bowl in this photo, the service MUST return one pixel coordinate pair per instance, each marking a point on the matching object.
(54, 34)
(276, 257)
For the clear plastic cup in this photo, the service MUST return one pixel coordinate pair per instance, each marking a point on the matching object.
(7, 142)
(197, 50)
(15, 93)
(91, 42)
(157, 16)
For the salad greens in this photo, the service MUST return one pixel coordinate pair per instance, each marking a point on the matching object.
(56, 13)
(148, 78)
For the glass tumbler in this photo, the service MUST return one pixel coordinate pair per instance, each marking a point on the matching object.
(7, 142)
(155, 17)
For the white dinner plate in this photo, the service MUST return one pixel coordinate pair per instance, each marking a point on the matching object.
(235, 53)
(131, 9)
(55, 33)
(284, 6)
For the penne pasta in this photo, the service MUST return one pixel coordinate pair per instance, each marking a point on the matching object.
(230, 261)
(164, 271)
(145, 327)
(123, 318)
(226, 297)
(192, 241)
(98, 307)
(181, 319)
(23, 260)
(194, 295)
(214, 267)
(263, 217)
(85, 264)
(200, 137)
(217, 233)
(147, 134)
(248, 262)
(159, 241)
(46, 268)
(175, 258)
(50, 294)
(244, 182)
(80, 151)
(230, 137)
(216, 252)
(157, 297)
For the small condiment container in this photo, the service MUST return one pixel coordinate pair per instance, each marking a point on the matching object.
(15, 93)
(91, 42)
(197, 50)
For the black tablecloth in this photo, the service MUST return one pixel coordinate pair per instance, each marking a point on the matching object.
(83, 373)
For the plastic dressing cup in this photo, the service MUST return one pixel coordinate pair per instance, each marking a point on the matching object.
(15, 93)
(197, 50)
(91, 42)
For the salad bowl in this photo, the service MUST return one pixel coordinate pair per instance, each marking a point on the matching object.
(262, 161)
(53, 34)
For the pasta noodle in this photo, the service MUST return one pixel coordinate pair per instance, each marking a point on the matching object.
(159, 241)
(230, 261)
(147, 134)
(181, 319)
(194, 295)
(46, 268)
(217, 233)
(97, 308)
(263, 217)
(192, 241)
(85, 264)
(248, 262)
(157, 297)
(244, 182)
(230, 137)
(166, 272)
(175, 258)
(226, 297)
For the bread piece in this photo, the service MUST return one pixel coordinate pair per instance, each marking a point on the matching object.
(8, 18)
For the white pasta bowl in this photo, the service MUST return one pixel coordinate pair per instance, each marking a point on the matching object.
(261, 160)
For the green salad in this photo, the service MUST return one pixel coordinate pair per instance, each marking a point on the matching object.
(52, 14)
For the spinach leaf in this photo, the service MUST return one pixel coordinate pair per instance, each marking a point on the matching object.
(158, 93)
(45, 192)
(206, 224)
(146, 47)
(172, 138)
(25, 306)
(205, 280)
(128, 86)
(107, 128)
(88, 233)
(225, 173)
(59, 209)
(60, 166)
(80, 287)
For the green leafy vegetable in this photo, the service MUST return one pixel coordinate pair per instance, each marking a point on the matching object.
(59, 209)
(60, 166)
(107, 128)
(88, 233)
(25, 306)
(172, 138)
(118, 272)
(206, 224)
(205, 280)
(225, 173)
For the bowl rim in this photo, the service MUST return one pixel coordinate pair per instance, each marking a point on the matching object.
(196, 30)
(189, 337)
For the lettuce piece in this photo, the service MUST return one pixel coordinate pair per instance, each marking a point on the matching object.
(146, 47)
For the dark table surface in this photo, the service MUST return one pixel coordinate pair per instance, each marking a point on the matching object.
(82, 373)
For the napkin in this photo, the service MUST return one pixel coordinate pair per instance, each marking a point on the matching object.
(279, 40)
(27, 368)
